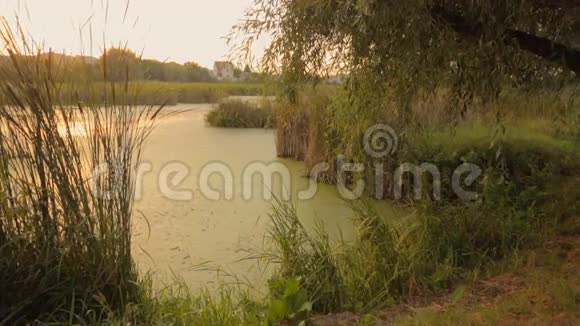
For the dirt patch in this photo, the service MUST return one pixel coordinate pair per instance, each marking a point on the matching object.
(343, 319)
(560, 257)
(486, 291)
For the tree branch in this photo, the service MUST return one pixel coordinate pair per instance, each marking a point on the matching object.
(556, 4)
(545, 48)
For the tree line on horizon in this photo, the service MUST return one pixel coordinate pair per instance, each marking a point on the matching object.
(121, 64)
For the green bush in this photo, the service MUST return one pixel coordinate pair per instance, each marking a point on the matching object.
(240, 114)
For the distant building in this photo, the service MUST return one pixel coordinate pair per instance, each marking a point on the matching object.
(223, 70)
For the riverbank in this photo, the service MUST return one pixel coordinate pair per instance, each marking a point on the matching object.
(540, 287)
(194, 93)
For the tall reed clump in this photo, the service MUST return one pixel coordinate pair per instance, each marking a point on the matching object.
(302, 132)
(291, 131)
(66, 190)
(304, 255)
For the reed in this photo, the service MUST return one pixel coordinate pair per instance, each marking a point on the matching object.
(65, 229)
(525, 196)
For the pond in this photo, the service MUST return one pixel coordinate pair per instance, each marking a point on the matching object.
(181, 231)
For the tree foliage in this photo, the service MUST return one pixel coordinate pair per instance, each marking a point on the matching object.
(119, 64)
(123, 64)
(473, 48)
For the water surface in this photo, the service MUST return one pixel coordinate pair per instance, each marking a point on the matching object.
(181, 235)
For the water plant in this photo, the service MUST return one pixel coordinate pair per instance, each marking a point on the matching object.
(242, 114)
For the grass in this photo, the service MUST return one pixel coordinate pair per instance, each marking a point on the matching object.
(178, 305)
(538, 287)
(242, 114)
(543, 292)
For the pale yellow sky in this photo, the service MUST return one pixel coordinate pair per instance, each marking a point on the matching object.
(175, 30)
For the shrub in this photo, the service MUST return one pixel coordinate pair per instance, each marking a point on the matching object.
(240, 114)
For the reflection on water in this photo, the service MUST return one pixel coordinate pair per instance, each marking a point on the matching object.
(180, 235)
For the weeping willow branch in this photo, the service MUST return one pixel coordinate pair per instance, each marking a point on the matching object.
(545, 48)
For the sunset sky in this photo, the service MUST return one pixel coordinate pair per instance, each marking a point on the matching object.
(174, 30)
